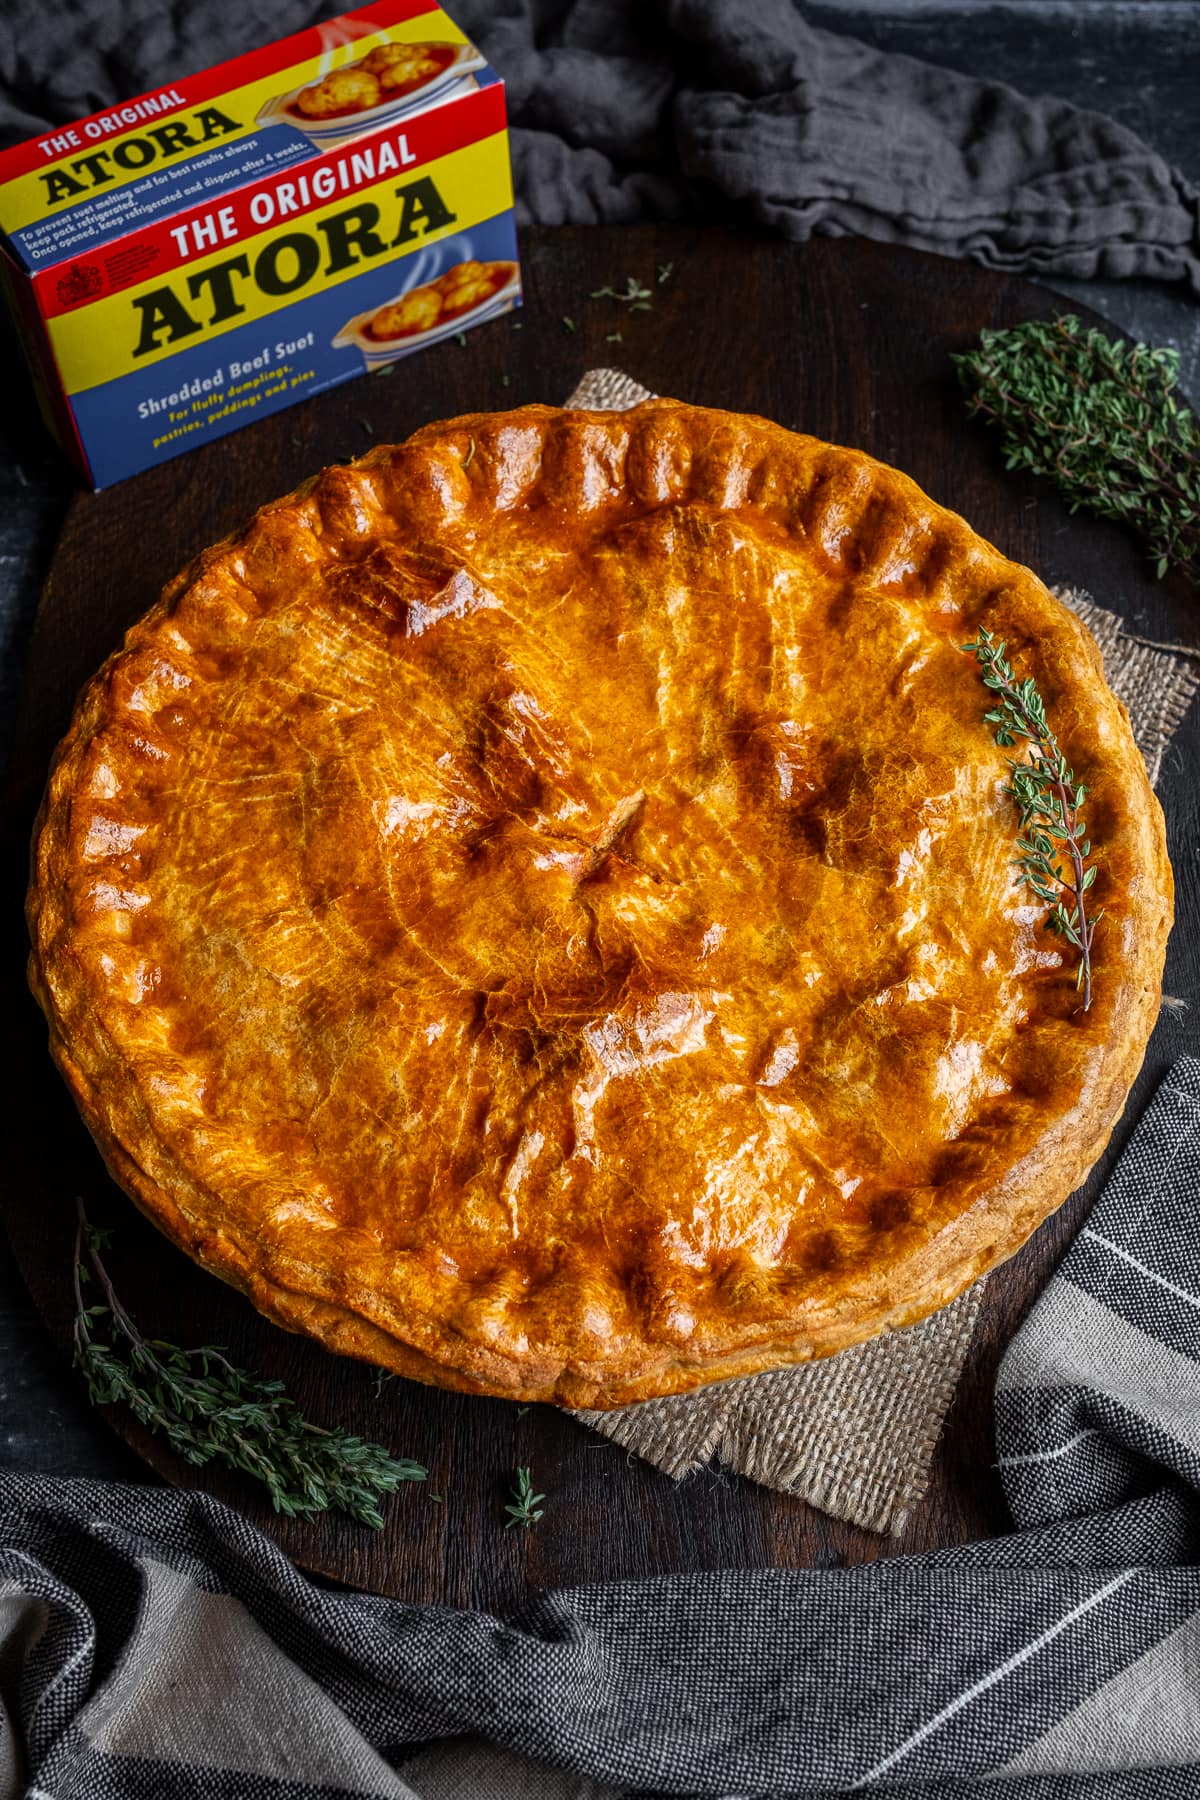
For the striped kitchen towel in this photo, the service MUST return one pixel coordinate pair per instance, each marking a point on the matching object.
(154, 1643)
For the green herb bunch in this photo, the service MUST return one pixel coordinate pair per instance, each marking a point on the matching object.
(1049, 801)
(1103, 419)
(209, 1410)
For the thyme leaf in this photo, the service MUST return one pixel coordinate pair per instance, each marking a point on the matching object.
(209, 1410)
(1103, 419)
(1052, 841)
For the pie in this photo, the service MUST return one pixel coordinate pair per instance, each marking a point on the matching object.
(537, 910)
(460, 290)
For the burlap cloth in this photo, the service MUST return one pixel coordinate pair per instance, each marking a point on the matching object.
(855, 1434)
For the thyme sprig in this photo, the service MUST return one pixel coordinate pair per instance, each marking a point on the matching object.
(1049, 801)
(1103, 419)
(636, 296)
(525, 1509)
(209, 1410)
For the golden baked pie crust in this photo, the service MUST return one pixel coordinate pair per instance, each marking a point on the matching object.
(536, 911)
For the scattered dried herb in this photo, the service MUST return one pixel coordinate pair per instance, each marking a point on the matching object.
(525, 1509)
(1103, 419)
(665, 272)
(209, 1410)
(569, 323)
(636, 297)
(1049, 801)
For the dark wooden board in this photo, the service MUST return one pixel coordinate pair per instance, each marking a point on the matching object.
(846, 340)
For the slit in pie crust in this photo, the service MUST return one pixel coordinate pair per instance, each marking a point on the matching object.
(537, 910)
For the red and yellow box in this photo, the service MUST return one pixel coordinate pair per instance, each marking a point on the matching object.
(220, 248)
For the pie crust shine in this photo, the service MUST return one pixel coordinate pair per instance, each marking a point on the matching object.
(537, 910)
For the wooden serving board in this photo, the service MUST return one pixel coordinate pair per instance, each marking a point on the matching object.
(847, 340)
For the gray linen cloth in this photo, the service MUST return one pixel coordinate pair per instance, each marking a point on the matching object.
(627, 109)
(155, 1644)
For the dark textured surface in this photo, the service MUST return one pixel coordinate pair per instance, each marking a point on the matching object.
(1135, 59)
(894, 316)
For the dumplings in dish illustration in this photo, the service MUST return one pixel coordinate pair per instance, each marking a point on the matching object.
(385, 84)
(385, 74)
(460, 289)
(468, 292)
